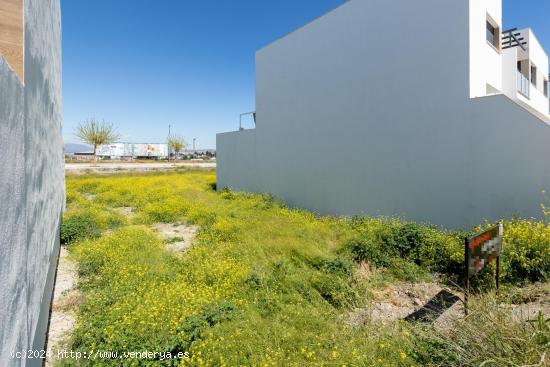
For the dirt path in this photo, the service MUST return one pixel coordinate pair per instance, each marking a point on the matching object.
(100, 167)
(405, 300)
(401, 300)
(65, 301)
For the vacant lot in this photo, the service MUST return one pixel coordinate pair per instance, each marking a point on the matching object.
(139, 166)
(167, 264)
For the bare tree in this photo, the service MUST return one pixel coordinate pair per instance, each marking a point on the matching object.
(176, 143)
(97, 133)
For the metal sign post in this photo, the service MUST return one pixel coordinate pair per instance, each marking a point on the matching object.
(497, 281)
(466, 274)
(479, 251)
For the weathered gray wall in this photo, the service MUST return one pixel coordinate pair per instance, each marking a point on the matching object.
(367, 111)
(13, 235)
(31, 184)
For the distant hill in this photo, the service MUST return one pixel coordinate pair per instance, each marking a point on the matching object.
(71, 148)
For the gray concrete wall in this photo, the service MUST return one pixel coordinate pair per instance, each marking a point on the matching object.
(367, 111)
(31, 185)
(238, 161)
(507, 152)
(13, 235)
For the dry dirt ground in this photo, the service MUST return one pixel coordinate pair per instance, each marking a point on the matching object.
(179, 236)
(107, 168)
(399, 301)
(65, 301)
(127, 211)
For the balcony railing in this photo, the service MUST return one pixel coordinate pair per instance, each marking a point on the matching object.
(523, 84)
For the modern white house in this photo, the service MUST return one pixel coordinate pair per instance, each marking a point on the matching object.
(429, 110)
(529, 88)
(510, 62)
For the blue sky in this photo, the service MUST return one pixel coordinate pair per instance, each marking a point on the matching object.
(144, 64)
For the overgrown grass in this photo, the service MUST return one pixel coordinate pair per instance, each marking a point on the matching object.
(262, 285)
(399, 246)
(490, 336)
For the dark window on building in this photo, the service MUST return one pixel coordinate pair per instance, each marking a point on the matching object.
(534, 75)
(490, 33)
(546, 88)
(493, 34)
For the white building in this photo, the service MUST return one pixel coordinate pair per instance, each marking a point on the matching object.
(525, 72)
(512, 62)
(133, 150)
(428, 109)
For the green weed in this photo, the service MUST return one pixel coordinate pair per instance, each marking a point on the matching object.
(267, 285)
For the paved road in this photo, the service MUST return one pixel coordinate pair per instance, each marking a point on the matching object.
(114, 167)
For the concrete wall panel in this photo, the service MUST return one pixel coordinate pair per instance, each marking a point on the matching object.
(367, 111)
(353, 109)
(238, 161)
(13, 249)
(31, 185)
(44, 162)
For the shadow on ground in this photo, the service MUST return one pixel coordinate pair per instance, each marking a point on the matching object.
(435, 307)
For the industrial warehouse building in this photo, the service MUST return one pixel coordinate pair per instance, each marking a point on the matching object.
(32, 177)
(431, 112)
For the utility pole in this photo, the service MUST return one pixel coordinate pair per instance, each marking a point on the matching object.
(169, 132)
(194, 139)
